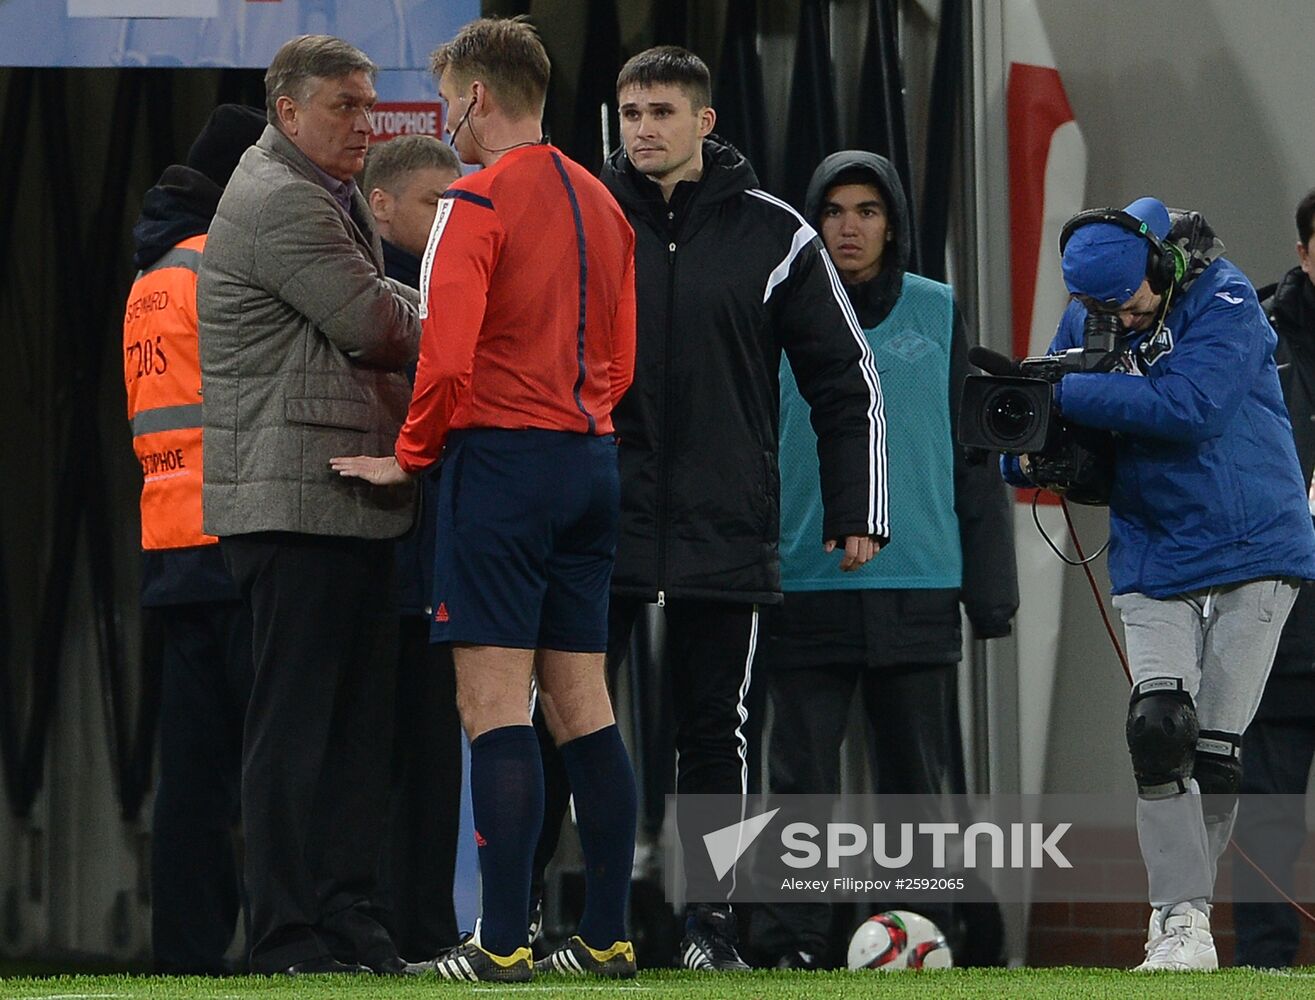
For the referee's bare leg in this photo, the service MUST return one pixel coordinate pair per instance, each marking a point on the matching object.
(578, 710)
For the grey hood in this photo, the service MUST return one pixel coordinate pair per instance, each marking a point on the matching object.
(884, 175)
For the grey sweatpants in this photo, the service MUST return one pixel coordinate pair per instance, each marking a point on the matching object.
(1220, 642)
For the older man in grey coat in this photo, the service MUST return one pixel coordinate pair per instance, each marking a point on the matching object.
(304, 346)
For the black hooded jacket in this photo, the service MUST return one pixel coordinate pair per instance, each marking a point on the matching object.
(873, 300)
(180, 206)
(727, 276)
(1290, 692)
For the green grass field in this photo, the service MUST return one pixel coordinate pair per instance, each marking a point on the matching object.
(1062, 984)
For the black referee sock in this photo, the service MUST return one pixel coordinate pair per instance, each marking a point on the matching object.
(506, 795)
(603, 784)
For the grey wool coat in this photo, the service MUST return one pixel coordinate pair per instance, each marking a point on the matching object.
(304, 350)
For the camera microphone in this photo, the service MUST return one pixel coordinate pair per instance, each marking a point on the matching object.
(992, 362)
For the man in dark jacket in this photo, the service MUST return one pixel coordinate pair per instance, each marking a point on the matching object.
(889, 631)
(726, 277)
(1279, 745)
(190, 600)
(403, 181)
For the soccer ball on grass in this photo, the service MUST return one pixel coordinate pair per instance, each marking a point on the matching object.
(898, 939)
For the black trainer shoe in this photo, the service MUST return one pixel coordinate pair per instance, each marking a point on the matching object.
(323, 965)
(575, 958)
(536, 920)
(710, 941)
(471, 962)
(800, 960)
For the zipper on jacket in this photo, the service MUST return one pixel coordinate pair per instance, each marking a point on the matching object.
(664, 471)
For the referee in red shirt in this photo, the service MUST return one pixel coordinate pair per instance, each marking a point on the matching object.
(528, 343)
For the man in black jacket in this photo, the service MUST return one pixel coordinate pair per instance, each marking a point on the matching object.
(726, 277)
(1279, 745)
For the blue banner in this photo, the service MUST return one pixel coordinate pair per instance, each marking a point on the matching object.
(408, 85)
(396, 34)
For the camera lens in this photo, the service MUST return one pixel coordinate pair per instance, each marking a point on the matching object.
(1010, 415)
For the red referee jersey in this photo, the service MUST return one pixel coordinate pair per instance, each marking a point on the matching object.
(529, 309)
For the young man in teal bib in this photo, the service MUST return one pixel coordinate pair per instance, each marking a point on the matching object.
(889, 632)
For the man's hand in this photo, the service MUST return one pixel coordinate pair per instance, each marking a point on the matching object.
(858, 550)
(378, 471)
(1028, 468)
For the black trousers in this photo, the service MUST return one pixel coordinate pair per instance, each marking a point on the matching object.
(707, 664)
(1276, 759)
(318, 742)
(420, 853)
(205, 686)
(915, 748)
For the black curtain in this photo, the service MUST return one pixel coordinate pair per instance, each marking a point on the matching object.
(241, 86)
(813, 128)
(738, 92)
(880, 125)
(942, 138)
(600, 64)
(670, 22)
(85, 232)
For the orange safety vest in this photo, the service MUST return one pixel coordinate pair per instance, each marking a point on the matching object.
(162, 373)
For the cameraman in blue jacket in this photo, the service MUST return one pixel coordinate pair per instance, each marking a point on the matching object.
(1210, 532)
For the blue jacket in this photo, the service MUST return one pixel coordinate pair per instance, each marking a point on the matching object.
(1207, 488)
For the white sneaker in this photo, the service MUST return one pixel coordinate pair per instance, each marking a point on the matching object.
(1179, 940)
(1156, 927)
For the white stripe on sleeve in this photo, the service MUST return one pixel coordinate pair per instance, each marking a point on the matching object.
(444, 213)
(878, 496)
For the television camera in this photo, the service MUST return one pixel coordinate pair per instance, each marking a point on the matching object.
(1012, 410)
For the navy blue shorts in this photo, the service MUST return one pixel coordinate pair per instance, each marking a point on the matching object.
(527, 529)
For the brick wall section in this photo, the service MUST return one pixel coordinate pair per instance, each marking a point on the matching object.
(1114, 934)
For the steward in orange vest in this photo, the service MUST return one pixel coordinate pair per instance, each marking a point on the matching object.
(193, 606)
(161, 371)
(163, 379)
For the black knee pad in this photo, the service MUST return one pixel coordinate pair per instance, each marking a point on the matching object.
(1162, 734)
(1218, 771)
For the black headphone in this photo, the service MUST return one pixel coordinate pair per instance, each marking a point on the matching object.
(1165, 263)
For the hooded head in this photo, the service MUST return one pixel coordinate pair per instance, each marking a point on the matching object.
(184, 201)
(846, 173)
(230, 131)
(1107, 262)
